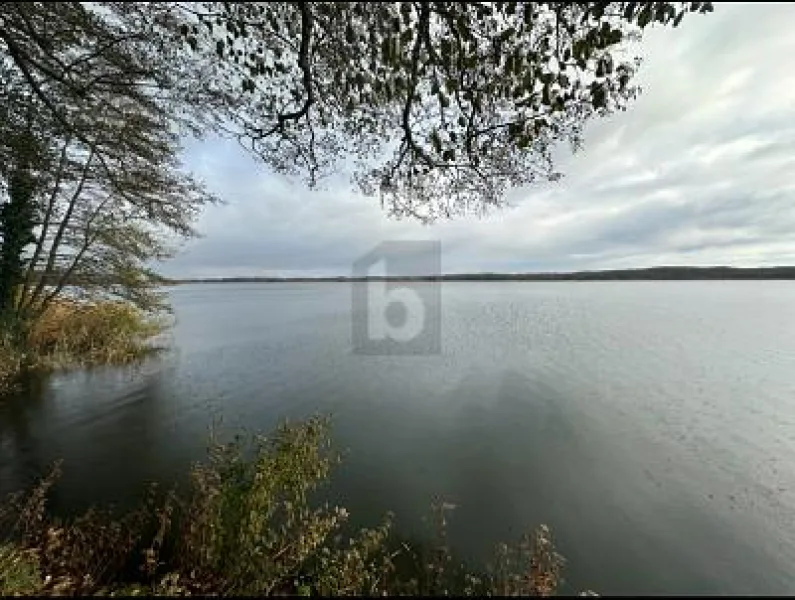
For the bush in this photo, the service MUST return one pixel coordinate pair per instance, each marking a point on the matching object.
(247, 526)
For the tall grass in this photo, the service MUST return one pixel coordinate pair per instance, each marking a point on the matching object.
(247, 525)
(72, 333)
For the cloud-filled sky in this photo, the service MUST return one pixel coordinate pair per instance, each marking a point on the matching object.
(700, 170)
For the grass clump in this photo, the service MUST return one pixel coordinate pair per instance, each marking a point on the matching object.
(248, 525)
(71, 333)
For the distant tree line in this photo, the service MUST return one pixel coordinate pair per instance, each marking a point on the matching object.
(648, 274)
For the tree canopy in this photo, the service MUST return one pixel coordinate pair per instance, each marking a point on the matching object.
(442, 105)
(438, 108)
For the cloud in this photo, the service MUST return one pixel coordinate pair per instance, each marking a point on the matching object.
(699, 170)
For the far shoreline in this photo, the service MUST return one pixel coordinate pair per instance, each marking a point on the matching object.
(640, 274)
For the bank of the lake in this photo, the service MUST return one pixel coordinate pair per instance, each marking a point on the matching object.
(70, 334)
(650, 424)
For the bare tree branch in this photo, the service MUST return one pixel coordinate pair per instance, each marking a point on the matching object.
(61, 229)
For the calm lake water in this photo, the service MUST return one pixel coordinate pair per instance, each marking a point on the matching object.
(650, 424)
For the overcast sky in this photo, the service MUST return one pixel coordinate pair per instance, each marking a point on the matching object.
(700, 170)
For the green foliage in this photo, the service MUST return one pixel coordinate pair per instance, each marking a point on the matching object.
(248, 526)
(19, 572)
(17, 222)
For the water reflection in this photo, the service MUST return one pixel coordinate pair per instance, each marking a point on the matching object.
(110, 441)
(649, 426)
(518, 456)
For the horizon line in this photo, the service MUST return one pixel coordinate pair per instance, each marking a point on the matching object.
(778, 270)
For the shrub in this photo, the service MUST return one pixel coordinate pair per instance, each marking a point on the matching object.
(247, 525)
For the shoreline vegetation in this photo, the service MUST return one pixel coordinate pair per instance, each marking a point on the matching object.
(642, 274)
(71, 334)
(248, 524)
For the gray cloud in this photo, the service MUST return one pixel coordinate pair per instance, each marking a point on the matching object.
(699, 170)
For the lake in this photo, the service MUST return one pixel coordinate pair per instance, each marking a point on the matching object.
(651, 425)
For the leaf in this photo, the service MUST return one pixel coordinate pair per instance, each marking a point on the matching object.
(405, 11)
(598, 11)
(598, 95)
(529, 13)
(644, 18)
(385, 47)
(545, 95)
(436, 142)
